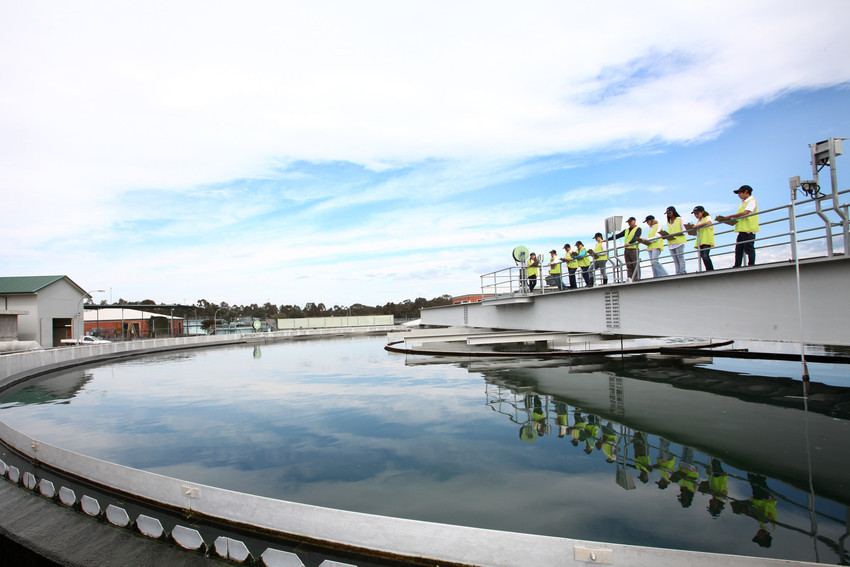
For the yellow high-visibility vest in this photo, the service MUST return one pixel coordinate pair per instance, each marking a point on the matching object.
(583, 260)
(601, 255)
(674, 227)
(630, 237)
(749, 224)
(705, 235)
(659, 244)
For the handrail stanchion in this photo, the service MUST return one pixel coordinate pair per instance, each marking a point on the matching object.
(792, 225)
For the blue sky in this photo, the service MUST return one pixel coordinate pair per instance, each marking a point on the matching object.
(344, 152)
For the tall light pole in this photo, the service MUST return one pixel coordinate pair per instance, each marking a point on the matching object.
(215, 326)
(80, 310)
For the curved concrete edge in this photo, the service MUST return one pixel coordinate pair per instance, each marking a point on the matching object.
(20, 365)
(372, 534)
(344, 529)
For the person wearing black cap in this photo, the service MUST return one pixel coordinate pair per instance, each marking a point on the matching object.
(584, 260)
(705, 235)
(631, 253)
(676, 239)
(654, 246)
(572, 265)
(600, 256)
(746, 226)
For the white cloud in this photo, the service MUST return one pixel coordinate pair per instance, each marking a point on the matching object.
(111, 113)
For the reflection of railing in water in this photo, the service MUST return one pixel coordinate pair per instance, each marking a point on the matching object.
(629, 451)
(801, 229)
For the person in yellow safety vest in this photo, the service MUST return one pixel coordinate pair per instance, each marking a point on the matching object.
(538, 415)
(631, 253)
(664, 463)
(761, 507)
(555, 270)
(643, 463)
(572, 265)
(608, 442)
(590, 433)
(688, 475)
(600, 256)
(561, 418)
(583, 259)
(675, 241)
(746, 227)
(576, 431)
(717, 487)
(654, 245)
(531, 271)
(705, 236)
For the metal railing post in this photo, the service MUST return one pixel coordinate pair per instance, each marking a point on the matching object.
(792, 226)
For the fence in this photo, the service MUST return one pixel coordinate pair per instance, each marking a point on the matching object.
(802, 229)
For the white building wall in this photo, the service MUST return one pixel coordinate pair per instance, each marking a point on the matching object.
(59, 300)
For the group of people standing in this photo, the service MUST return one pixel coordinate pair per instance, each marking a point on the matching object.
(580, 258)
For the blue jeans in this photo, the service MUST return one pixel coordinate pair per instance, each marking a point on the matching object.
(678, 255)
(658, 270)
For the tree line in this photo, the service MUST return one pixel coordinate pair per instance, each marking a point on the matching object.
(224, 312)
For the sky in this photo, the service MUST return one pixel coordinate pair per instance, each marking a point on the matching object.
(365, 152)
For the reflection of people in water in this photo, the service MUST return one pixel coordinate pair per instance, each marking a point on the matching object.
(608, 442)
(688, 475)
(561, 417)
(716, 486)
(761, 507)
(642, 461)
(664, 463)
(590, 433)
(539, 416)
(534, 406)
(577, 430)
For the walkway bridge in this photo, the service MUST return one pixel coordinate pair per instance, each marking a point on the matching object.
(796, 292)
(759, 302)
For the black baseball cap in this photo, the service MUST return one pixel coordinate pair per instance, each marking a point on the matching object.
(698, 209)
(630, 219)
(648, 218)
(744, 188)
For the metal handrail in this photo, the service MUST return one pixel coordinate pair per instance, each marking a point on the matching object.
(795, 234)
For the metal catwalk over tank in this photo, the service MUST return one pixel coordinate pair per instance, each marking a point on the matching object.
(756, 302)
(795, 292)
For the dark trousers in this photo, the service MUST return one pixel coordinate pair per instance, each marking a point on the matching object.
(746, 244)
(572, 272)
(532, 281)
(704, 253)
(632, 265)
(585, 273)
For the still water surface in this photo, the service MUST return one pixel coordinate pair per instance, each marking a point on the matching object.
(657, 451)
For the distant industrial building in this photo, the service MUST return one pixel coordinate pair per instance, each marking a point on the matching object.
(127, 323)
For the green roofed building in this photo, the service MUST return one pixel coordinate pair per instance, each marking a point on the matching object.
(45, 309)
